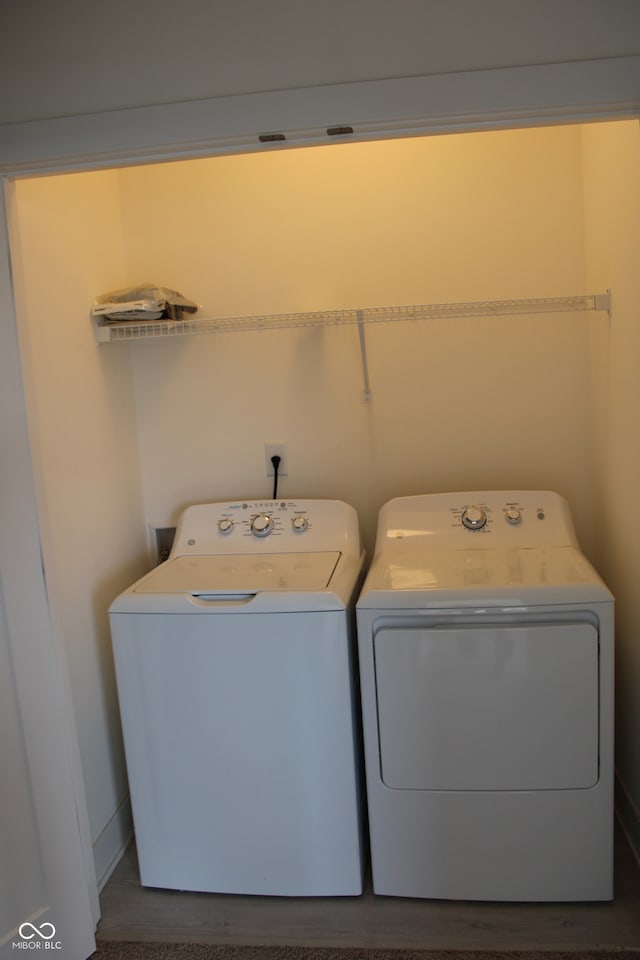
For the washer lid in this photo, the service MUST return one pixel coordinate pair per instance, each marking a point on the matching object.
(242, 573)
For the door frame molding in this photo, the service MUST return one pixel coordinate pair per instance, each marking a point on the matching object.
(559, 93)
(409, 106)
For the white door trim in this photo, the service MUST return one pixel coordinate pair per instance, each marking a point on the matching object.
(408, 106)
(412, 106)
(47, 746)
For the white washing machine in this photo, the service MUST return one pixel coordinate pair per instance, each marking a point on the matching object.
(236, 676)
(486, 658)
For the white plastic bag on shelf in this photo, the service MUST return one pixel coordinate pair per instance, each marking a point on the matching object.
(148, 301)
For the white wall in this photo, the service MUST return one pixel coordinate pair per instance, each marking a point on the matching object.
(612, 209)
(456, 405)
(82, 422)
(85, 56)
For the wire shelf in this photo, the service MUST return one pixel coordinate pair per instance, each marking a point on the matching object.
(153, 329)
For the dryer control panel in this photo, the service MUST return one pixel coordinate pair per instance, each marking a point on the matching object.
(246, 526)
(487, 518)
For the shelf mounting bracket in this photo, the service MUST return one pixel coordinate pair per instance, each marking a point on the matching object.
(363, 356)
(602, 301)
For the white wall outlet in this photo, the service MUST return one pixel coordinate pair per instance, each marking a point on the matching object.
(276, 450)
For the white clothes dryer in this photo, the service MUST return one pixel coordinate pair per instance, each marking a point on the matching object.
(236, 676)
(486, 658)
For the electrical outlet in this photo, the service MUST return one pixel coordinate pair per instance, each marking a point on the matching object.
(276, 450)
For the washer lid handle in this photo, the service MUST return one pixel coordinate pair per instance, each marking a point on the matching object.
(221, 599)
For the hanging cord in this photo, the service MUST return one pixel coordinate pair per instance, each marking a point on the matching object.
(275, 460)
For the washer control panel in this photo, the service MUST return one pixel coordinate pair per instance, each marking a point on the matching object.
(262, 519)
(285, 525)
(490, 518)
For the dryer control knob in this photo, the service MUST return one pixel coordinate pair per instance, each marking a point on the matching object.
(513, 515)
(474, 518)
(262, 525)
(225, 525)
(299, 524)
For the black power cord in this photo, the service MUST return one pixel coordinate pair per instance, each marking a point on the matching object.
(275, 460)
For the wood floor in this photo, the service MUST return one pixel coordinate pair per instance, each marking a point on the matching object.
(131, 912)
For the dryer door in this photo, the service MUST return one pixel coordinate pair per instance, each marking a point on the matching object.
(488, 707)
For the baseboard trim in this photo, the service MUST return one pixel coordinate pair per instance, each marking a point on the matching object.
(110, 845)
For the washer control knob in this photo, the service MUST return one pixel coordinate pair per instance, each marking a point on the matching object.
(262, 525)
(474, 518)
(513, 515)
(225, 525)
(299, 524)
